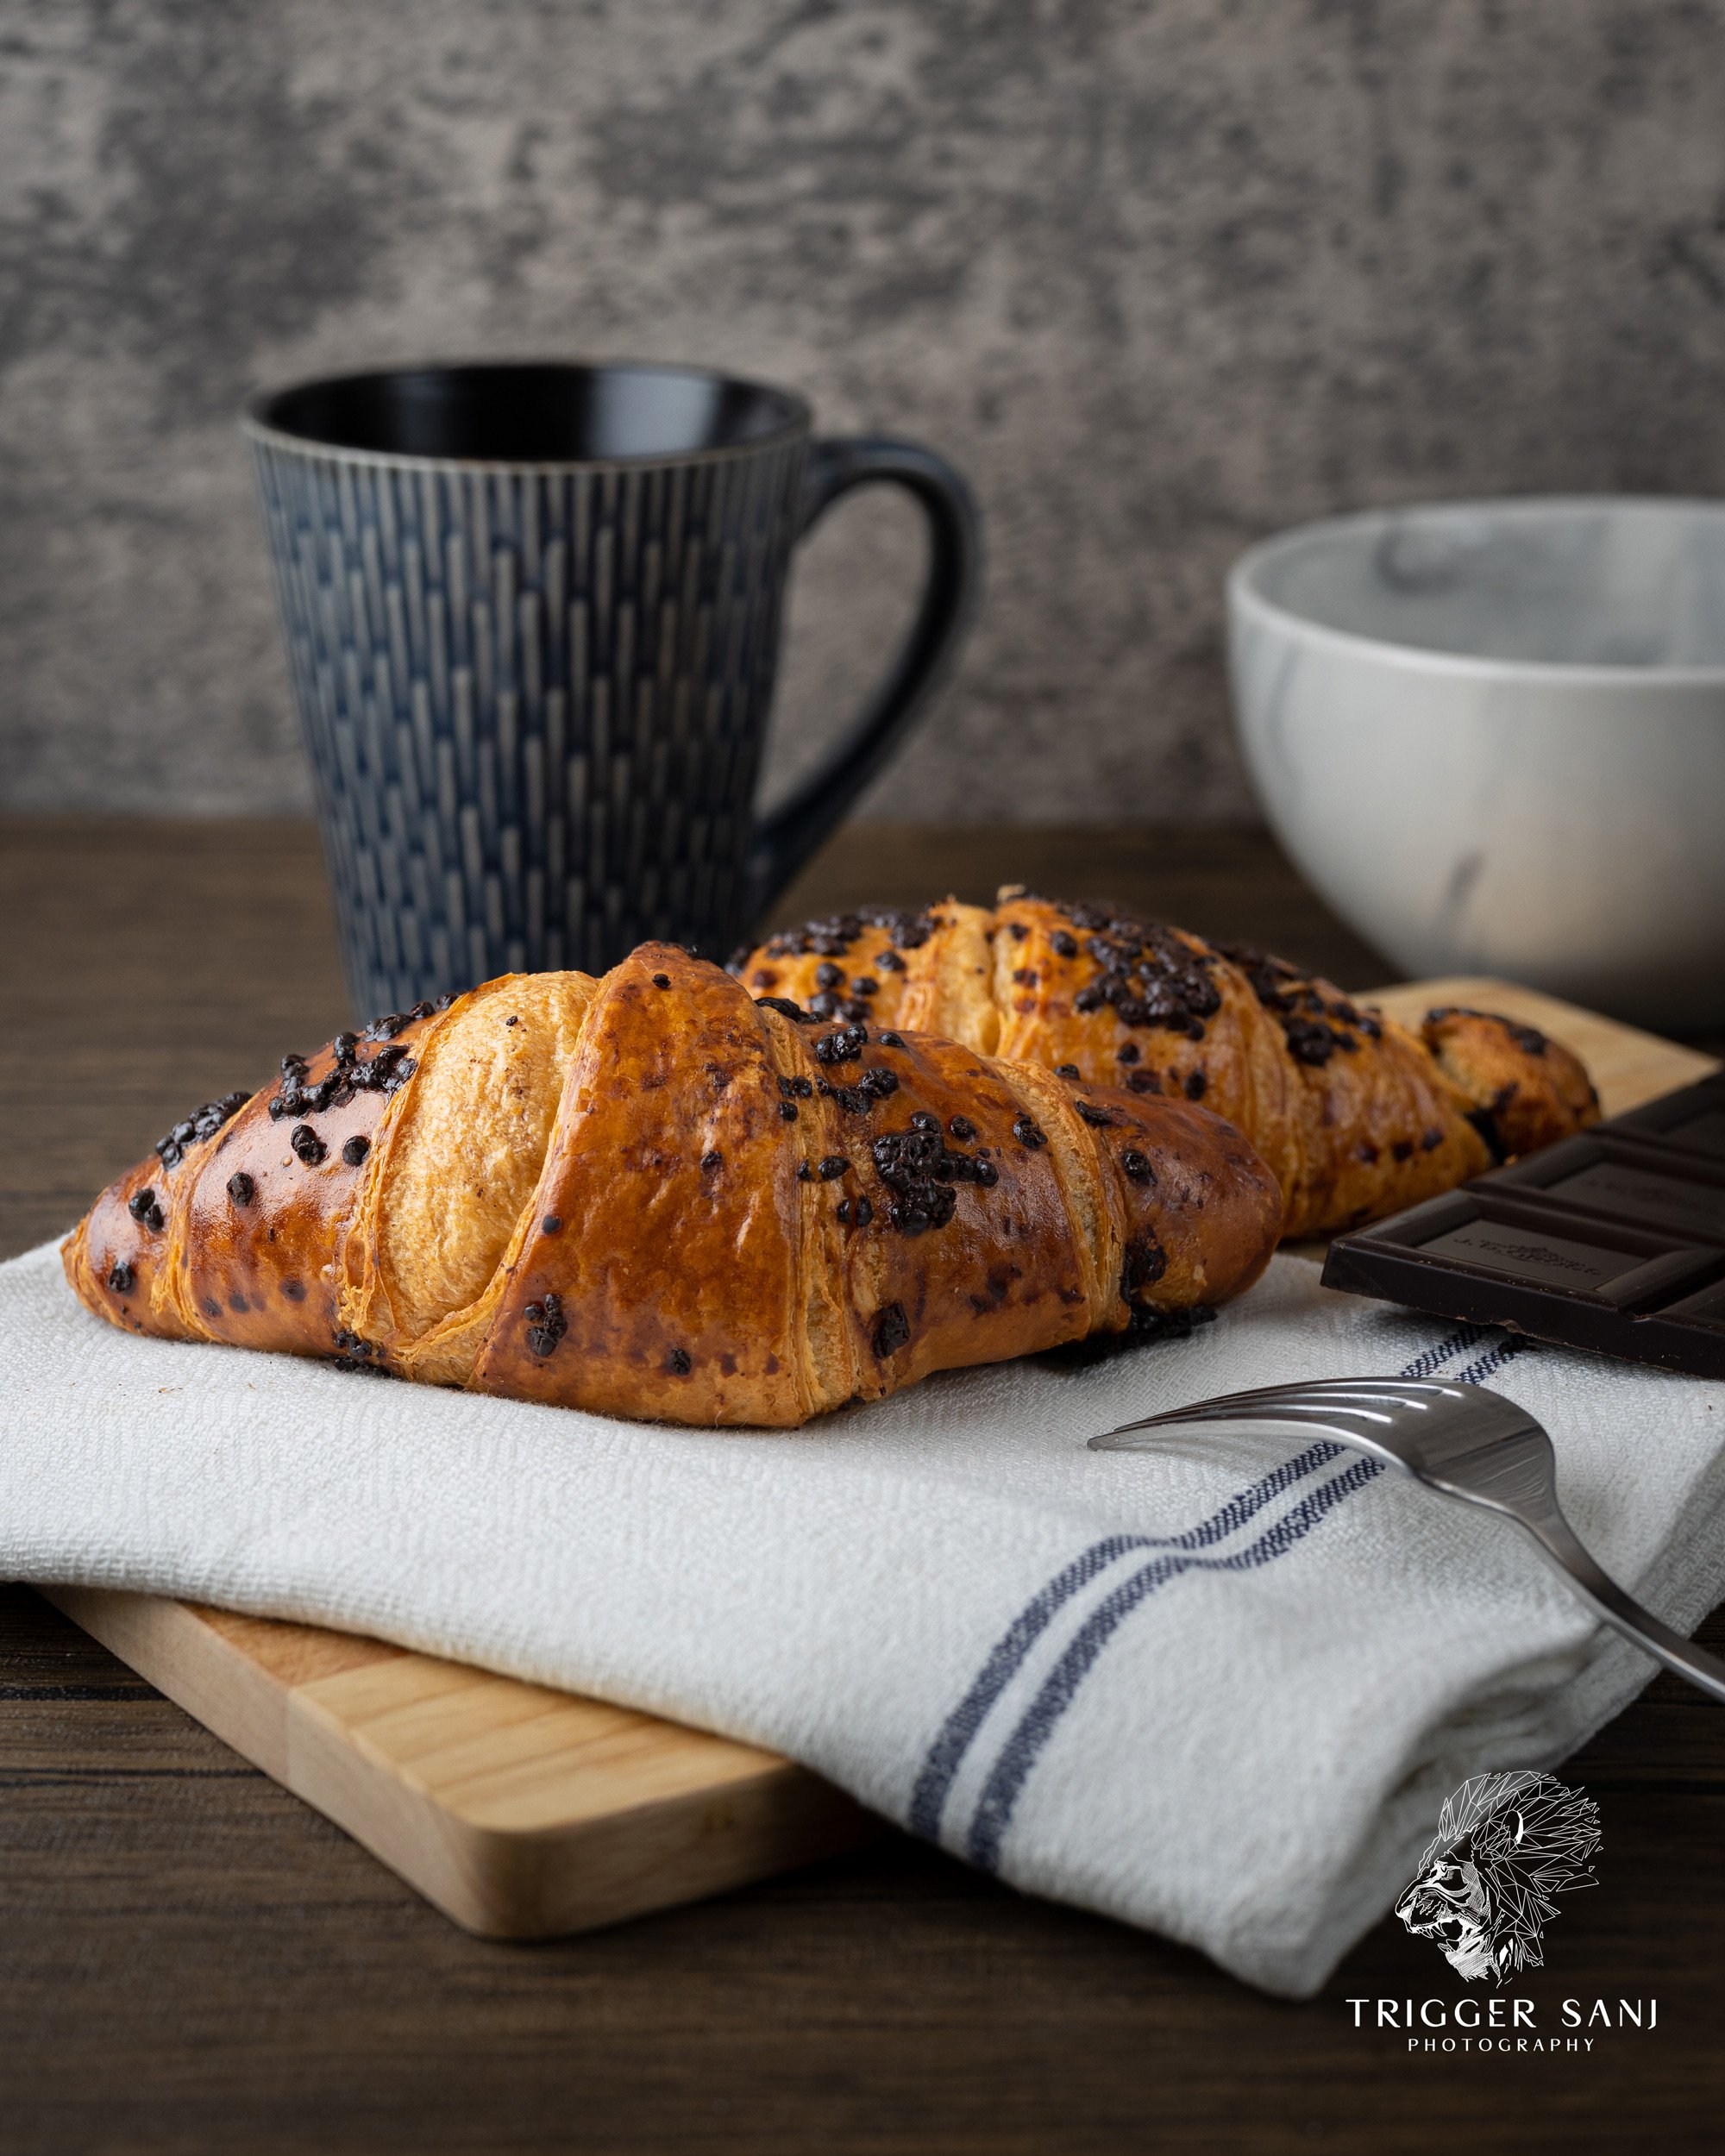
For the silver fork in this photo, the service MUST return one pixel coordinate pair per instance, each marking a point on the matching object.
(1462, 1441)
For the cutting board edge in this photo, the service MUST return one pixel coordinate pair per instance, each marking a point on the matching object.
(498, 1882)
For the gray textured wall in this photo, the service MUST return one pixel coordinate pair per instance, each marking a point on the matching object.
(1161, 275)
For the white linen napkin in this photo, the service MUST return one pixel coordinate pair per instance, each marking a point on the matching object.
(1219, 1690)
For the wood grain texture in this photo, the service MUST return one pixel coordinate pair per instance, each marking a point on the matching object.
(191, 1959)
(521, 1812)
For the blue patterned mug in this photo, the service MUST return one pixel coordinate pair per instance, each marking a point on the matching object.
(532, 615)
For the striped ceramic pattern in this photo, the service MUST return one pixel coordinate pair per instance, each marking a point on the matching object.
(535, 700)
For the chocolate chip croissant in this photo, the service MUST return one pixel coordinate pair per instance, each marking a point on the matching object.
(1355, 1115)
(652, 1195)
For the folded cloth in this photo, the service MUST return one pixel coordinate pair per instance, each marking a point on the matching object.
(1219, 1690)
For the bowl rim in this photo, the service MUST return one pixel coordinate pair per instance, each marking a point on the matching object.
(1244, 598)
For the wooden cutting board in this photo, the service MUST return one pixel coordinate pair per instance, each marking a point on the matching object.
(522, 1812)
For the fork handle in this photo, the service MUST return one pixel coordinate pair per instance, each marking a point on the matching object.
(1556, 1542)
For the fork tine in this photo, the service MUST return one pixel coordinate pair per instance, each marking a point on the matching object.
(1465, 1442)
(1318, 1400)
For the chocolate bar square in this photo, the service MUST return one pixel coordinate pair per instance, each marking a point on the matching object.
(1613, 1240)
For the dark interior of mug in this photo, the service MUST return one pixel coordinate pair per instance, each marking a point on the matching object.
(531, 413)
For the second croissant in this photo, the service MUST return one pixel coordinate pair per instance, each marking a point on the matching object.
(1355, 1116)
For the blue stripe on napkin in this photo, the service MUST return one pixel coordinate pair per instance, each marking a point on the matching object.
(1019, 1753)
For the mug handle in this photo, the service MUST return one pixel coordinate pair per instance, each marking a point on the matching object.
(783, 840)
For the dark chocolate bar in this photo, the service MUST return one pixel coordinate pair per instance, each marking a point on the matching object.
(1613, 1240)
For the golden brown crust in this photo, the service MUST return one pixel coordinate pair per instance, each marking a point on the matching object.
(1529, 1089)
(659, 1273)
(730, 1217)
(1355, 1116)
(455, 1170)
(118, 1259)
(928, 973)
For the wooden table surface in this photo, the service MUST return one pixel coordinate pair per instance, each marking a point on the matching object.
(191, 1959)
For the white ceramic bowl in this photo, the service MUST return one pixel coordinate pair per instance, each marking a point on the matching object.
(1493, 735)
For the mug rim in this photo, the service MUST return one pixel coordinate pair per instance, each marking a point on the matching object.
(257, 427)
(1246, 598)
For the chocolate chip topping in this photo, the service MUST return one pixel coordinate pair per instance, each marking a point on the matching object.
(241, 1188)
(920, 1170)
(1029, 1133)
(1135, 1167)
(386, 1072)
(307, 1145)
(1148, 974)
(202, 1123)
(833, 937)
(1143, 1327)
(546, 1325)
(1315, 1022)
(1146, 1261)
(678, 1362)
(1309, 1041)
(385, 1029)
(841, 1047)
(121, 1277)
(146, 1211)
(356, 1149)
(891, 1331)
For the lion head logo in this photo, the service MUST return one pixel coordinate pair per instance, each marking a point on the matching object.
(1507, 1846)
